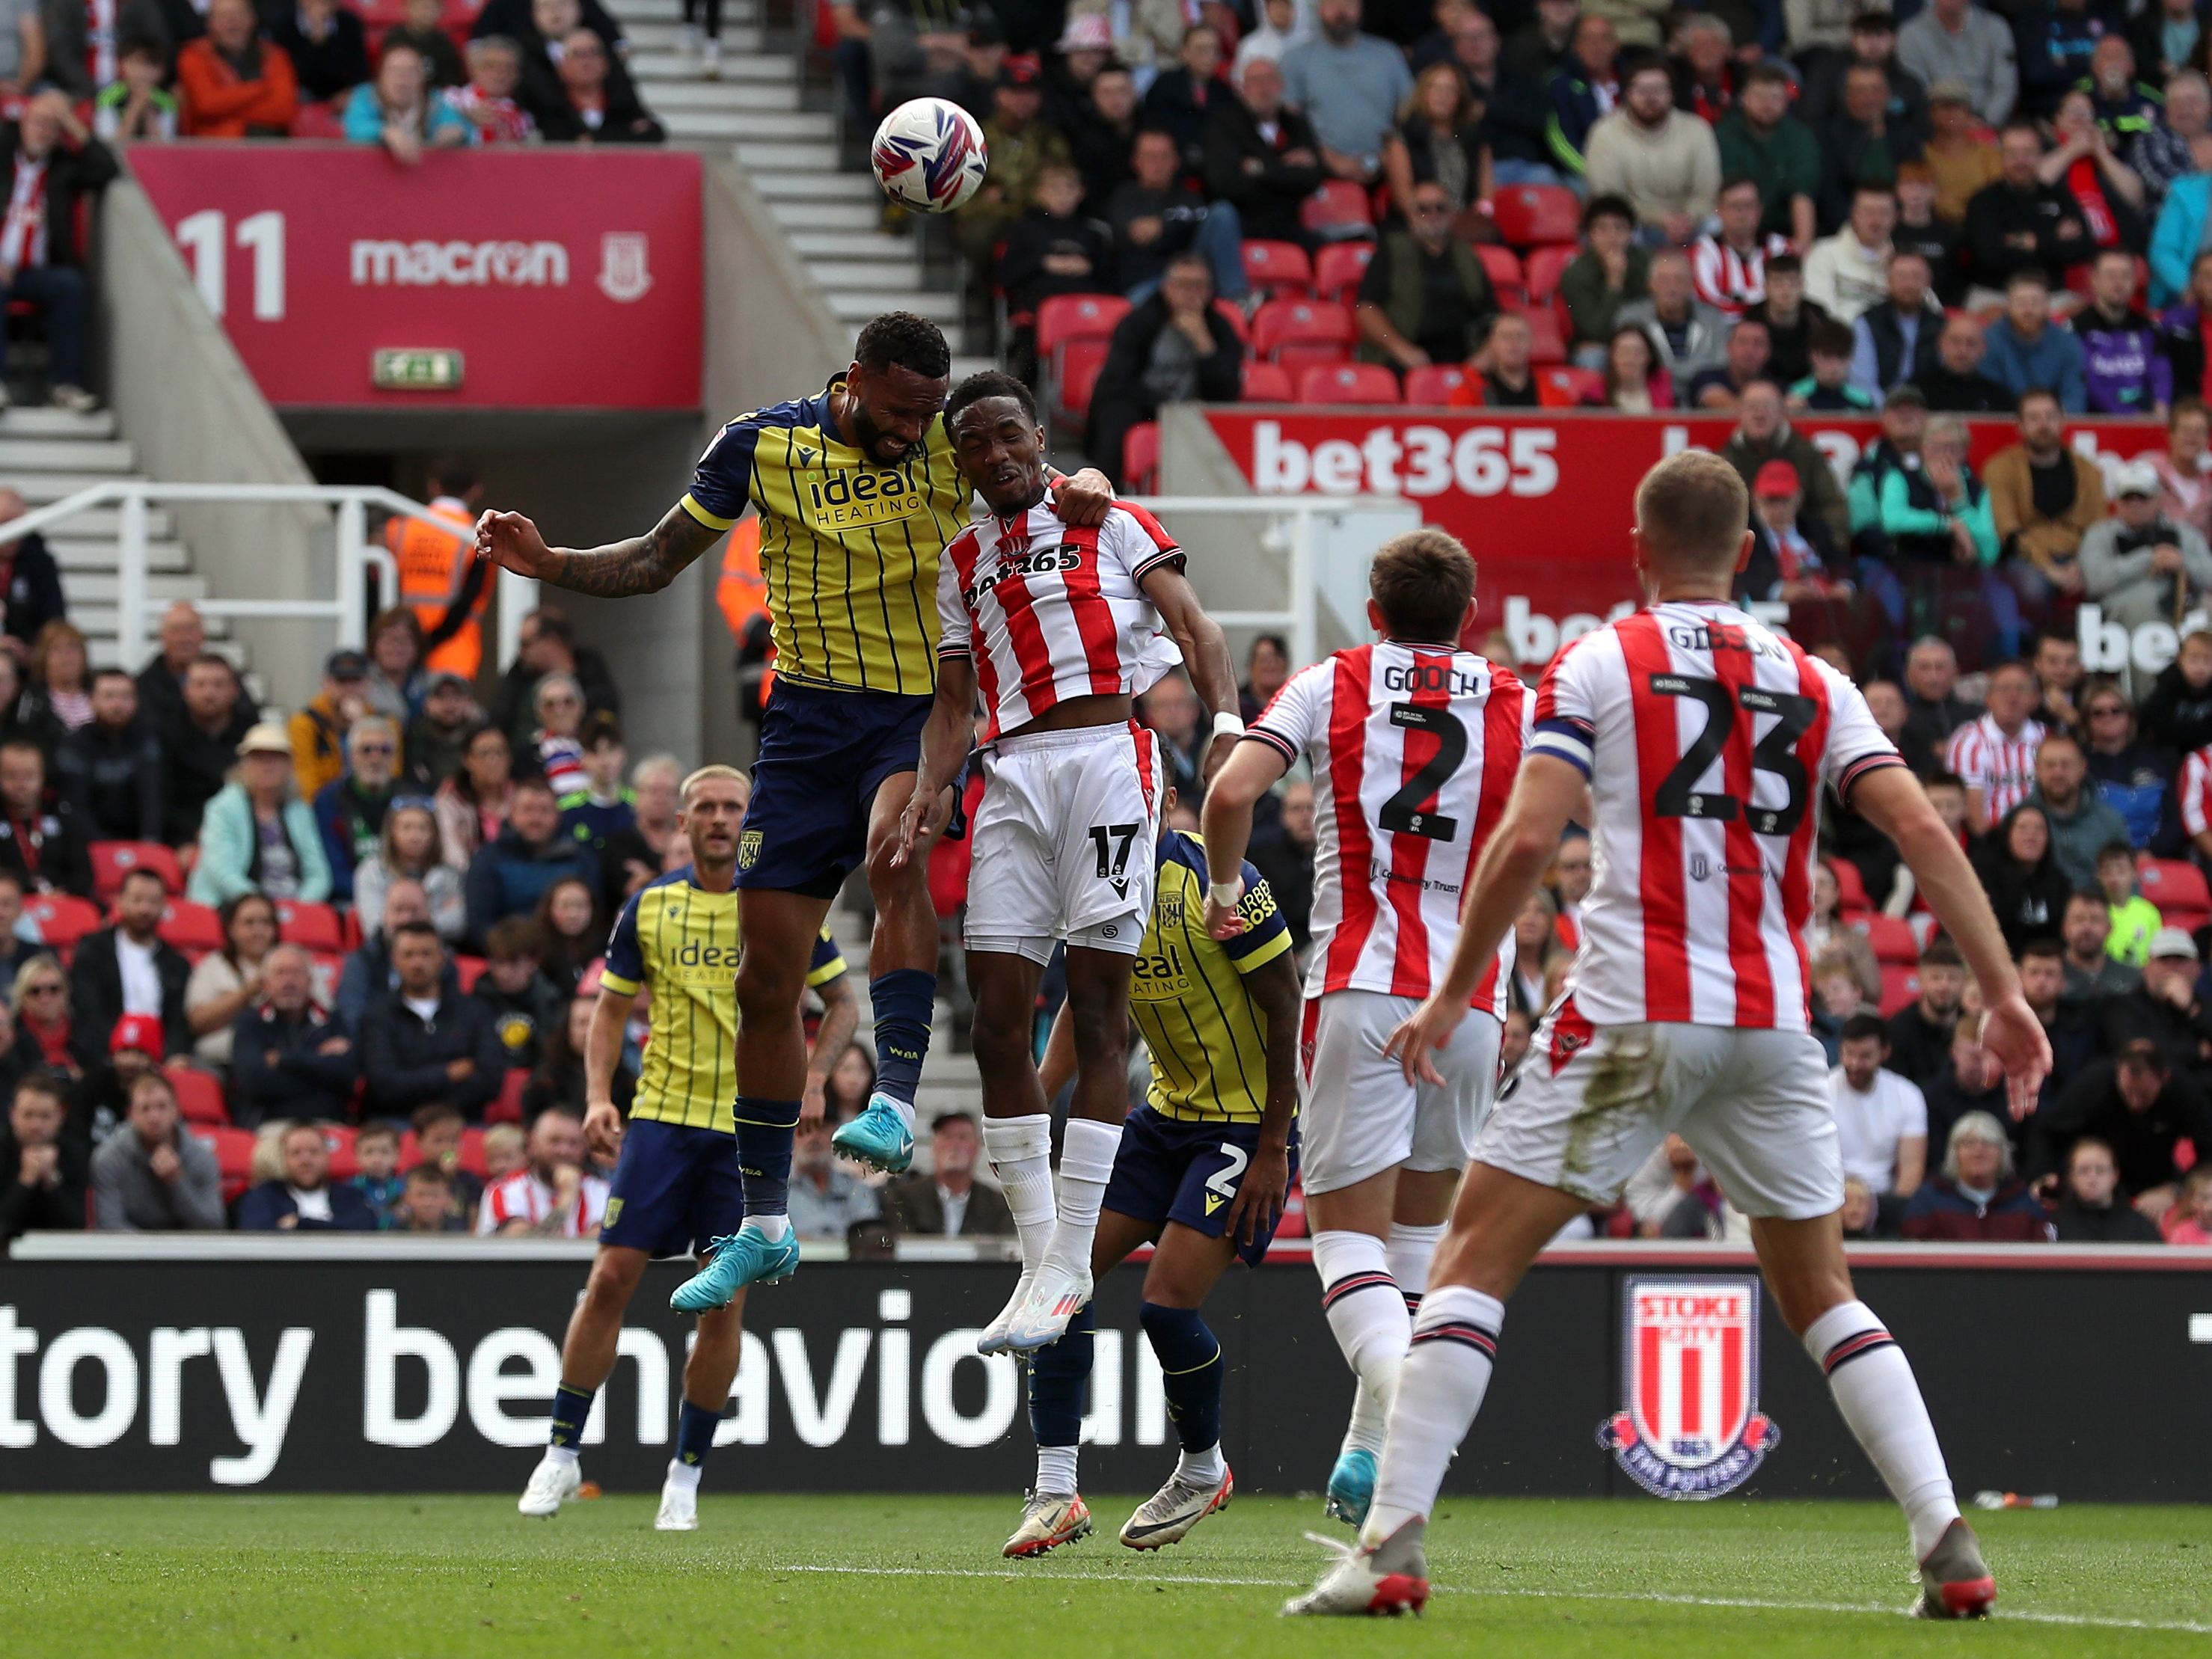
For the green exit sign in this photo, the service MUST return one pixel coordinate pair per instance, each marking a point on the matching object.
(413, 370)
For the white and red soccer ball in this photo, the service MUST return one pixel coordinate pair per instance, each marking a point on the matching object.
(928, 155)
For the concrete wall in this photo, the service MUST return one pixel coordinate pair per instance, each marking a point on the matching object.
(184, 399)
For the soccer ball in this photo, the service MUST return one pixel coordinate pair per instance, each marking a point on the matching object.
(928, 155)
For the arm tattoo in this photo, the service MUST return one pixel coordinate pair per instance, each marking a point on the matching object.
(643, 564)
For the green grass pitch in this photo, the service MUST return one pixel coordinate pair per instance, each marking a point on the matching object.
(909, 1577)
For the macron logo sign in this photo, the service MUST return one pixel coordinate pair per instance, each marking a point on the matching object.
(459, 264)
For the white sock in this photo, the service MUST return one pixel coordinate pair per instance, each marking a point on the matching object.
(560, 1453)
(684, 1475)
(1056, 1471)
(1369, 1419)
(1454, 1345)
(904, 1108)
(1202, 1468)
(1086, 1165)
(1020, 1150)
(773, 1227)
(1365, 1309)
(1410, 1250)
(1875, 1390)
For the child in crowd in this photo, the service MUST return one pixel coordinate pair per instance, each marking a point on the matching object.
(133, 106)
(2190, 1221)
(376, 1159)
(488, 99)
(603, 808)
(438, 1130)
(2135, 918)
(1828, 388)
(426, 1203)
(523, 1006)
(424, 30)
(505, 1151)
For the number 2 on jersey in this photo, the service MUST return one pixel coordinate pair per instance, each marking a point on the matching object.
(1402, 814)
(1678, 797)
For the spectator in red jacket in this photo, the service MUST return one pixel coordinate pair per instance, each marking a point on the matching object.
(235, 84)
(1977, 1199)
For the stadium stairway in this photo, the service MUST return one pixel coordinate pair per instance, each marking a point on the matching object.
(755, 111)
(48, 454)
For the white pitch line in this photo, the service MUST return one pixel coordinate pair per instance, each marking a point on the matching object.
(2086, 1620)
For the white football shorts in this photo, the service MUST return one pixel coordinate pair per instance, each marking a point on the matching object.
(1362, 1117)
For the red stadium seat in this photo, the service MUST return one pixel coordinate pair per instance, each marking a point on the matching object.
(2173, 885)
(1067, 317)
(350, 922)
(468, 970)
(112, 861)
(1280, 268)
(1850, 886)
(310, 927)
(1081, 362)
(1577, 387)
(62, 918)
(1900, 988)
(1304, 322)
(188, 927)
(1232, 314)
(1140, 457)
(1547, 345)
(1301, 354)
(472, 1160)
(507, 1108)
(1349, 383)
(1544, 267)
(1503, 266)
(1529, 215)
(233, 1155)
(1891, 940)
(199, 1096)
(317, 120)
(1339, 267)
(1434, 384)
(339, 1138)
(1265, 383)
(1338, 212)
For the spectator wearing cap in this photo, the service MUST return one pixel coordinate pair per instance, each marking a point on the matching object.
(349, 811)
(1794, 556)
(110, 772)
(2139, 565)
(1351, 86)
(103, 1064)
(302, 1199)
(1759, 140)
(1961, 153)
(149, 1176)
(2141, 1105)
(127, 968)
(318, 732)
(257, 835)
(2092, 1208)
(1954, 384)
(1955, 41)
(1020, 147)
(1083, 52)
(947, 1202)
(1977, 1199)
(1895, 339)
(2165, 1011)
(1661, 160)
(1262, 156)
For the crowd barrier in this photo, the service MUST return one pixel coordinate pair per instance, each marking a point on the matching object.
(135, 1364)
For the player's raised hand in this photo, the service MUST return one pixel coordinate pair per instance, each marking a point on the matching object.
(1082, 498)
(1260, 1196)
(511, 541)
(1420, 1034)
(2013, 1033)
(602, 1130)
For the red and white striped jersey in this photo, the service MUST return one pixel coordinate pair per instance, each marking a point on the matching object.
(1725, 278)
(1414, 749)
(2197, 792)
(1049, 612)
(523, 1197)
(1706, 739)
(2001, 767)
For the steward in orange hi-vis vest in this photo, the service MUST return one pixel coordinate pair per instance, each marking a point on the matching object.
(441, 578)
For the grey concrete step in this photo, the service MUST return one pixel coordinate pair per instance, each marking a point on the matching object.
(857, 306)
(869, 245)
(100, 622)
(42, 454)
(773, 157)
(662, 65)
(92, 589)
(55, 423)
(868, 277)
(740, 41)
(99, 553)
(42, 487)
(801, 212)
(860, 187)
(100, 524)
(678, 93)
(628, 12)
(768, 125)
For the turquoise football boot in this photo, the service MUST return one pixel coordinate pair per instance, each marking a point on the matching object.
(878, 1138)
(1351, 1488)
(747, 1256)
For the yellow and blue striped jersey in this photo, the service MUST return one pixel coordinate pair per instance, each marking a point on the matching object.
(1208, 1038)
(682, 941)
(848, 547)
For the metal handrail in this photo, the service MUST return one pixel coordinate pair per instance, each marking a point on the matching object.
(356, 553)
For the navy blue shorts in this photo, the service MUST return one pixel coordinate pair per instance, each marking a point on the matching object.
(1175, 1169)
(676, 1189)
(822, 756)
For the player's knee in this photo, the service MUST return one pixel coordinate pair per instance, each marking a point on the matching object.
(613, 1281)
(1001, 1035)
(768, 992)
(1098, 1019)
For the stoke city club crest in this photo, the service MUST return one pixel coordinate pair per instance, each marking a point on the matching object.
(1690, 1427)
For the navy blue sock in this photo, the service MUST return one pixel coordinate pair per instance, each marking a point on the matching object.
(1190, 1372)
(1058, 1376)
(903, 1000)
(572, 1409)
(695, 1433)
(764, 1131)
